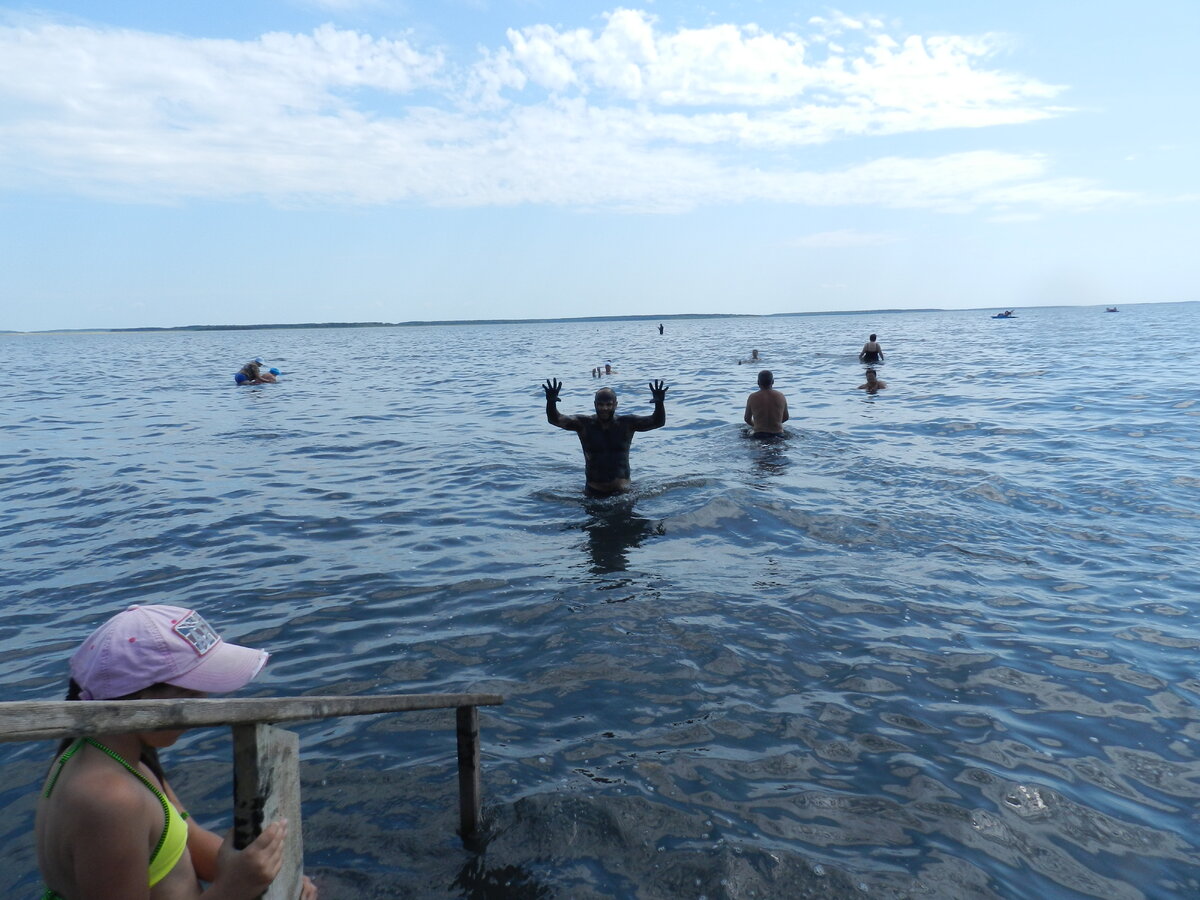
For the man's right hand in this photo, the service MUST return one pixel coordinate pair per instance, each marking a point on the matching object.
(552, 387)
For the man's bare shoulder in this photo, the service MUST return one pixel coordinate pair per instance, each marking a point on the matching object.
(571, 423)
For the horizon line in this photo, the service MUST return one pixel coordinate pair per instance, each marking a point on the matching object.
(421, 323)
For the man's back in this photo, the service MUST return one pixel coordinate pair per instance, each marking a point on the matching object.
(766, 411)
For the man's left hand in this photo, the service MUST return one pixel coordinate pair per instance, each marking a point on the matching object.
(658, 390)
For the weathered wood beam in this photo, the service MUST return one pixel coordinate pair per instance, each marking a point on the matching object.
(34, 720)
(266, 787)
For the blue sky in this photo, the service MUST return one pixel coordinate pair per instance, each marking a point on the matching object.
(374, 160)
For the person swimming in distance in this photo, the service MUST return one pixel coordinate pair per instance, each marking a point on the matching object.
(108, 824)
(253, 373)
(871, 351)
(873, 383)
(606, 437)
(766, 408)
(753, 358)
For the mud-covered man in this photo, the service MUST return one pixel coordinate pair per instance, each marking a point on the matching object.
(605, 437)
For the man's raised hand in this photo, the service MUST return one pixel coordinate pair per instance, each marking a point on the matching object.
(658, 390)
(552, 387)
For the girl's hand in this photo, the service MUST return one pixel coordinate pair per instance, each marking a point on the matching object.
(247, 873)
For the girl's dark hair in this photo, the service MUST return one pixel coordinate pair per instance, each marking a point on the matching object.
(149, 755)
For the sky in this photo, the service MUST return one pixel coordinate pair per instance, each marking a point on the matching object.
(169, 164)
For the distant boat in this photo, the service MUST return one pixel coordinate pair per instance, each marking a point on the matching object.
(1112, 309)
(1007, 314)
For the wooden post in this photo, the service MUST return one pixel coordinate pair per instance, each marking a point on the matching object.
(266, 787)
(468, 773)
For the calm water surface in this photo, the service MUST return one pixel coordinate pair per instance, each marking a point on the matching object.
(940, 642)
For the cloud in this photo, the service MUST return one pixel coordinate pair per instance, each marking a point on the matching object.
(881, 83)
(628, 116)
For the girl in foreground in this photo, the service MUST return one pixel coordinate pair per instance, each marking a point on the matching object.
(108, 825)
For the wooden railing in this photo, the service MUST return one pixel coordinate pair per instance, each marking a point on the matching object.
(266, 760)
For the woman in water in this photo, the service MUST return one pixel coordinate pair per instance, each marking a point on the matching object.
(108, 824)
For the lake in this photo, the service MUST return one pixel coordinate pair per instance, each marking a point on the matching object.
(939, 642)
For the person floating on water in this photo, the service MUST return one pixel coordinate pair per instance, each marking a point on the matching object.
(252, 373)
(605, 437)
(766, 408)
(873, 383)
(753, 358)
(871, 351)
(107, 821)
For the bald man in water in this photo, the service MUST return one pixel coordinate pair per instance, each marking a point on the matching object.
(766, 408)
(606, 437)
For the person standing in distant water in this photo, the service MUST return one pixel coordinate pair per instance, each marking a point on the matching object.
(873, 383)
(871, 352)
(605, 437)
(660, 328)
(766, 408)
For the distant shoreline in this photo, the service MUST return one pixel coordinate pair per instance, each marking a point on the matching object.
(423, 324)
(676, 317)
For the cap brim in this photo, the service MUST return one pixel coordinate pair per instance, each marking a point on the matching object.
(225, 668)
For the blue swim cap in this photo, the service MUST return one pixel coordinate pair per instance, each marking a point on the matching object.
(275, 372)
(239, 378)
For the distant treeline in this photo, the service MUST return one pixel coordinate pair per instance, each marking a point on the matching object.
(256, 327)
(415, 324)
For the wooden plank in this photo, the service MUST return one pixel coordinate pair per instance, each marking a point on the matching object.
(53, 719)
(468, 772)
(266, 787)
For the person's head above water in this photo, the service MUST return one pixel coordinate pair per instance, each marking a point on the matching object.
(872, 337)
(765, 379)
(870, 375)
(148, 645)
(606, 403)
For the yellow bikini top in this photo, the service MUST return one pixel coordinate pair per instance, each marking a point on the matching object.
(173, 840)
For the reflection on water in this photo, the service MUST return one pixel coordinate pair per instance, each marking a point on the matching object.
(478, 882)
(613, 529)
(939, 642)
(769, 455)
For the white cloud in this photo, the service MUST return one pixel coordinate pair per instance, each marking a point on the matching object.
(630, 60)
(625, 117)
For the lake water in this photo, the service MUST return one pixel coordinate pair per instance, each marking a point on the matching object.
(940, 642)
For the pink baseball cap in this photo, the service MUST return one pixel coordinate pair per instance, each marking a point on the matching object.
(146, 645)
